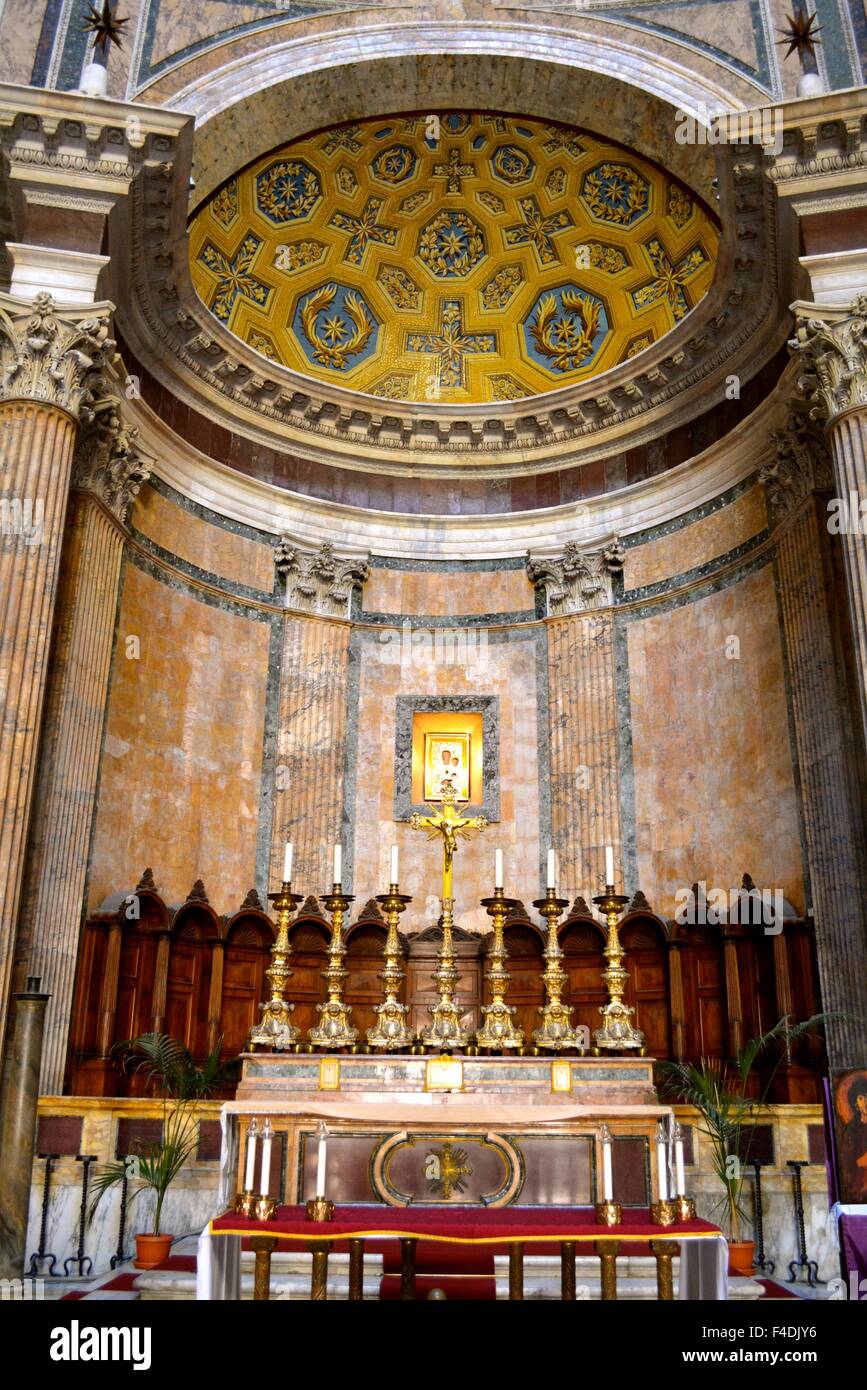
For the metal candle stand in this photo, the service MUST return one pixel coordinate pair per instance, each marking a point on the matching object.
(42, 1254)
(802, 1262)
(760, 1262)
(119, 1257)
(79, 1258)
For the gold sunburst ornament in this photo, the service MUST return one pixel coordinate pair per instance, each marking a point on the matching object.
(105, 26)
(801, 36)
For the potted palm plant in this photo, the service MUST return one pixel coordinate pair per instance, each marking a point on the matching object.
(728, 1117)
(181, 1083)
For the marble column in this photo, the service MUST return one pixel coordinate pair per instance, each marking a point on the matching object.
(821, 719)
(308, 806)
(108, 471)
(18, 1127)
(578, 590)
(585, 801)
(50, 365)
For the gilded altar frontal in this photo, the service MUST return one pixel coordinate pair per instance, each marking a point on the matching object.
(433, 666)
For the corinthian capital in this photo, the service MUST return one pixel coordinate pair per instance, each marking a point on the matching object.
(109, 462)
(50, 354)
(802, 460)
(580, 580)
(837, 349)
(319, 581)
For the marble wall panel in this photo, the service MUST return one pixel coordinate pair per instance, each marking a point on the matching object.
(183, 749)
(216, 549)
(443, 594)
(715, 789)
(509, 671)
(695, 544)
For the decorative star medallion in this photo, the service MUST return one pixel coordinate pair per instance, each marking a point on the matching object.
(800, 35)
(104, 25)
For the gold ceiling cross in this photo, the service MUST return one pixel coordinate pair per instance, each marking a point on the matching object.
(448, 823)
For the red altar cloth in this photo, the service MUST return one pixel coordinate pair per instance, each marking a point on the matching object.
(461, 1225)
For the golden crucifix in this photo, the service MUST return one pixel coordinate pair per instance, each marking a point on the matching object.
(449, 823)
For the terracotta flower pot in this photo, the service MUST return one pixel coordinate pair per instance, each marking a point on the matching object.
(151, 1251)
(741, 1257)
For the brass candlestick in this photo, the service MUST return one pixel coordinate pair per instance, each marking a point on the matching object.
(275, 1028)
(444, 1031)
(390, 1032)
(617, 1032)
(498, 1031)
(334, 1029)
(319, 1209)
(663, 1213)
(556, 1031)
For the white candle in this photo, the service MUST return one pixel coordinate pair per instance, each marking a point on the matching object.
(338, 864)
(498, 869)
(265, 1171)
(609, 866)
(287, 863)
(552, 869)
(394, 877)
(661, 1163)
(680, 1177)
(607, 1174)
(250, 1170)
(321, 1160)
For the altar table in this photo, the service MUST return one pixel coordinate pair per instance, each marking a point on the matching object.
(702, 1248)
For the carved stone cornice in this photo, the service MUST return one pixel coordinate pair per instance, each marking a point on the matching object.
(318, 581)
(824, 142)
(51, 354)
(109, 461)
(835, 346)
(802, 460)
(579, 580)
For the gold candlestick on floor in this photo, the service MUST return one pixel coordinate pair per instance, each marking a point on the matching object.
(275, 1028)
(498, 1032)
(334, 1029)
(617, 1032)
(556, 1031)
(391, 1032)
(445, 1031)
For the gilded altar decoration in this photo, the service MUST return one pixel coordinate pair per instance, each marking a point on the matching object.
(506, 258)
(446, 1028)
(498, 1033)
(446, 1171)
(555, 1031)
(275, 1029)
(335, 1029)
(447, 765)
(391, 1032)
(617, 1032)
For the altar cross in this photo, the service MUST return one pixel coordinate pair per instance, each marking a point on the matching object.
(448, 823)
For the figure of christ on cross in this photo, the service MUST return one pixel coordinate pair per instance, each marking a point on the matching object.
(449, 824)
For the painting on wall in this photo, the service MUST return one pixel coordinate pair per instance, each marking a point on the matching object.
(447, 765)
(850, 1125)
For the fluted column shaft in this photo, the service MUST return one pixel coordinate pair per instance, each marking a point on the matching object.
(831, 817)
(585, 805)
(308, 806)
(69, 767)
(37, 448)
(847, 435)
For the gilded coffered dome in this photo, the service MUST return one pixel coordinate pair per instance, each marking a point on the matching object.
(452, 256)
